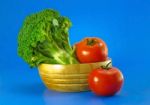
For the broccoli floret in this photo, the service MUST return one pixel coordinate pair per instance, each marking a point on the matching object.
(44, 38)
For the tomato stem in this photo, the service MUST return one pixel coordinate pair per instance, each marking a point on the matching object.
(91, 42)
(107, 66)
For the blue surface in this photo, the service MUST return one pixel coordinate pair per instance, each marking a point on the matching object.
(123, 24)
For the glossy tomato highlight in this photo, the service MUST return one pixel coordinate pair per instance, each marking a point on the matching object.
(91, 50)
(105, 81)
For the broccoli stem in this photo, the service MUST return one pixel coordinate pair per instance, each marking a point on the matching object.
(44, 38)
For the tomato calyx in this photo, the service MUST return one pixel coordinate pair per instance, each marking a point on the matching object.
(107, 66)
(90, 50)
(91, 42)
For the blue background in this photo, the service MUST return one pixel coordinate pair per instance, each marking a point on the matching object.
(123, 24)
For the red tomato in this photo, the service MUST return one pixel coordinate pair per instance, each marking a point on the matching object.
(105, 82)
(91, 50)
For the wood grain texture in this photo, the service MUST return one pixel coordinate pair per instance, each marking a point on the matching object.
(68, 78)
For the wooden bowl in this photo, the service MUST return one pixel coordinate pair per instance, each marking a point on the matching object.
(68, 78)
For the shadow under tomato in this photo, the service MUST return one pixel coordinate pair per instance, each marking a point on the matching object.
(87, 98)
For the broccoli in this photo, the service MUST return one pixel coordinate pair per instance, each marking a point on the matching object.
(44, 38)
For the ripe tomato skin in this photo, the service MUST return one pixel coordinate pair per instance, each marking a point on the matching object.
(105, 82)
(93, 52)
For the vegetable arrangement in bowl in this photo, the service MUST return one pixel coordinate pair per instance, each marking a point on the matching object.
(43, 42)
